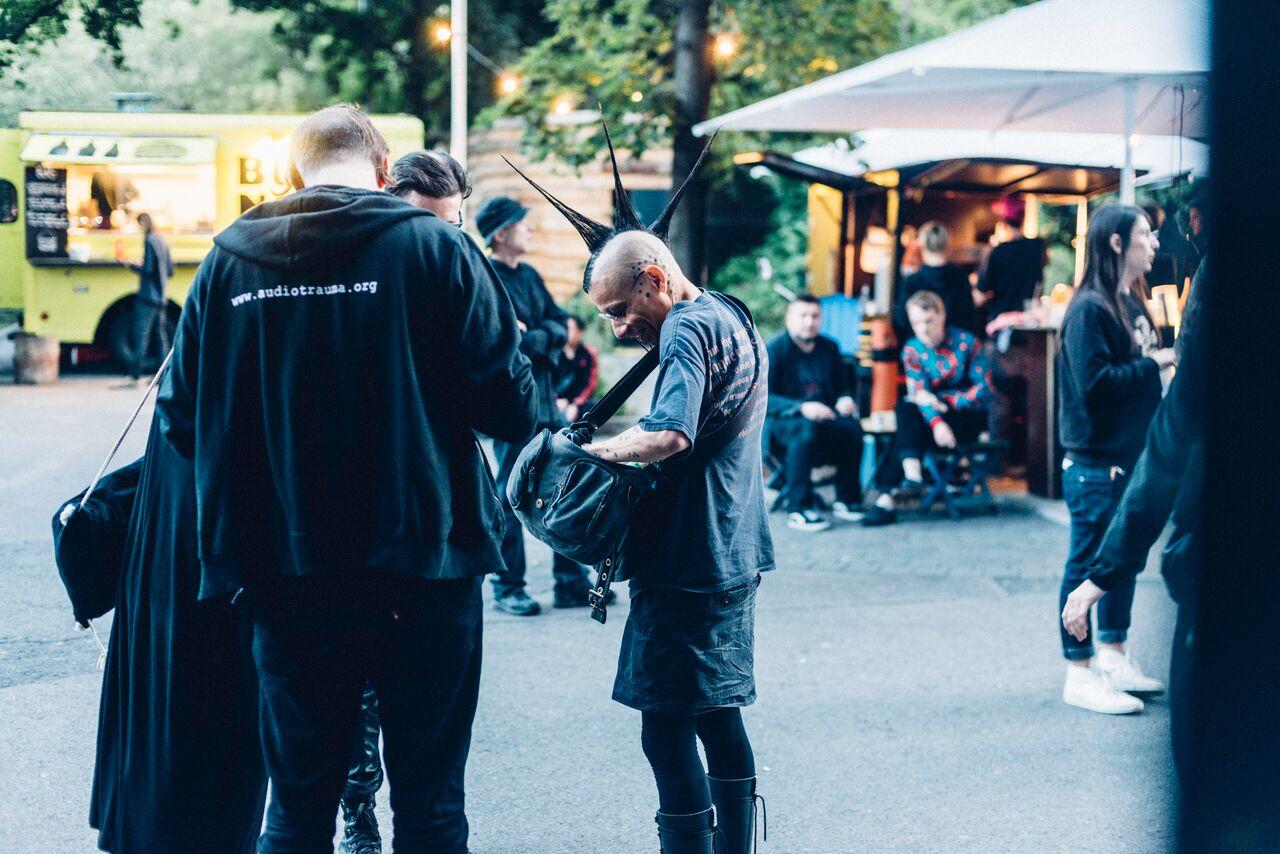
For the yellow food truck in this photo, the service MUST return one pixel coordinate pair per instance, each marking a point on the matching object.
(73, 183)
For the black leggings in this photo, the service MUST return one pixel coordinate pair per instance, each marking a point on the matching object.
(670, 746)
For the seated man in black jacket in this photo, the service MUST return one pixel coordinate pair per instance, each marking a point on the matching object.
(337, 350)
(813, 417)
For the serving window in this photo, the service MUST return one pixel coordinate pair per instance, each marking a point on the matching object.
(107, 197)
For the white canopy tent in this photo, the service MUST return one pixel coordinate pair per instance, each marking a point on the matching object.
(1082, 66)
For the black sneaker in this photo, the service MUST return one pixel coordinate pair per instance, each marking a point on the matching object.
(360, 829)
(878, 516)
(516, 602)
(576, 597)
(808, 520)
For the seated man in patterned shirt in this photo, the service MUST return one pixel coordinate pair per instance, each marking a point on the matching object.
(948, 394)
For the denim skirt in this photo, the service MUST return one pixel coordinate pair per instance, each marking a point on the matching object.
(686, 653)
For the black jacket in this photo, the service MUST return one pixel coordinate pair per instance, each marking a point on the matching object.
(1168, 479)
(1107, 391)
(336, 351)
(545, 334)
(952, 285)
(1014, 274)
(786, 386)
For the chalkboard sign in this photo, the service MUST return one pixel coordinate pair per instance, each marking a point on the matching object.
(46, 213)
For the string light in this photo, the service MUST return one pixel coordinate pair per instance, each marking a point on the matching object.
(725, 45)
(562, 105)
(508, 83)
(441, 32)
(637, 97)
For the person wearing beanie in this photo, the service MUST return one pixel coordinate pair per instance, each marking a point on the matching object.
(505, 229)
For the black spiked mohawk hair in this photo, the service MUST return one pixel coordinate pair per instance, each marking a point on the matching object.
(625, 216)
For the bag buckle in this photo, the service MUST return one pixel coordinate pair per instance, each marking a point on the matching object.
(598, 596)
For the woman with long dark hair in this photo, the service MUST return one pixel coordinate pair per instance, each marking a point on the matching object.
(1108, 390)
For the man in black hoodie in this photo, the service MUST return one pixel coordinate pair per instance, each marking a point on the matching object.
(337, 349)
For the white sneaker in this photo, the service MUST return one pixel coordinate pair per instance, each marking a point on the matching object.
(1124, 672)
(1091, 689)
(847, 512)
(809, 521)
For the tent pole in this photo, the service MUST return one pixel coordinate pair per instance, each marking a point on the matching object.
(458, 81)
(1127, 195)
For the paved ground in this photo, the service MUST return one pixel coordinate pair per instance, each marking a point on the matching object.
(909, 688)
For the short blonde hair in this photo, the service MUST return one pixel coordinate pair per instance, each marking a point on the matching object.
(927, 301)
(332, 135)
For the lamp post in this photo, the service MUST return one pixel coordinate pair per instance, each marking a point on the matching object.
(458, 81)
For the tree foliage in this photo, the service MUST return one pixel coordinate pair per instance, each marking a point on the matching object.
(619, 54)
(204, 56)
(26, 23)
(381, 53)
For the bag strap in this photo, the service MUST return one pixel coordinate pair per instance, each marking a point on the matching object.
(606, 407)
(120, 439)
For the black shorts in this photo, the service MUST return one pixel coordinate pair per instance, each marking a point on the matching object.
(687, 653)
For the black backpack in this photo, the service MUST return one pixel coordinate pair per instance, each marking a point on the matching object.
(580, 505)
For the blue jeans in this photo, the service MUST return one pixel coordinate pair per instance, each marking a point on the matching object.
(1092, 494)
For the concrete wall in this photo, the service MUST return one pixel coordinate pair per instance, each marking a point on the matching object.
(558, 253)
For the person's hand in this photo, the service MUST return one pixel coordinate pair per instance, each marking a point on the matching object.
(1164, 357)
(571, 412)
(943, 437)
(817, 411)
(520, 324)
(929, 399)
(1075, 614)
(980, 297)
(847, 407)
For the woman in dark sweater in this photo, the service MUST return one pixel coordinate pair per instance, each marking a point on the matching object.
(1108, 390)
(944, 279)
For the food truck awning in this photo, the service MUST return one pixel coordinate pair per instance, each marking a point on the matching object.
(109, 148)
(1003, 161)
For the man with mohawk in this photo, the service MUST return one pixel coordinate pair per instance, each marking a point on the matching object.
(700, 542)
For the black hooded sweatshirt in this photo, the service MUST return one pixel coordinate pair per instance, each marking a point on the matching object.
(337, 349)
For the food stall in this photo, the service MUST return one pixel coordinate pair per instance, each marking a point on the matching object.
(73, 183)
(864, 199)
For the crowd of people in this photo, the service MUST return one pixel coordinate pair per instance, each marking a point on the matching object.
(314, 511)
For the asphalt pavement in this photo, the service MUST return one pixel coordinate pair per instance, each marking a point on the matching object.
(909, 686)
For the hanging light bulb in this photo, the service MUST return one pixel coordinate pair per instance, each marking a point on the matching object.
(637, 96)
(508, 83)
(725, 45)
(562, 106)
(441, 32)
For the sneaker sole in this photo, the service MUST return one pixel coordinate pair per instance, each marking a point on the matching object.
(1097, 711)
(809, 529)
(517, 613)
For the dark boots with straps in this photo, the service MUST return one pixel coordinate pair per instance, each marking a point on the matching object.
(687, 834)
(735, 803)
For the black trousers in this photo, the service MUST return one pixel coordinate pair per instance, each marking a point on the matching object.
(317, 640)
(914, 437)
(148, 320)
(805, 444)
(568, 574)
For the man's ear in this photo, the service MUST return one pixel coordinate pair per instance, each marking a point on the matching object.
(658, 276)
(384, 172)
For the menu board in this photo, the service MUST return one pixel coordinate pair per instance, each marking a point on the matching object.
(47, 221)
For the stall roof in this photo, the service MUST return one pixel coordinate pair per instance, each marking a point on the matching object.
(1055, 65)
(1003, 161)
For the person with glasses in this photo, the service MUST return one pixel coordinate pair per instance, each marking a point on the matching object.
(504, 226)
(435, 182)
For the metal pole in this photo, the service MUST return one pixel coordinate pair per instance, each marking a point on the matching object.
(458, 82)
(1130, 111)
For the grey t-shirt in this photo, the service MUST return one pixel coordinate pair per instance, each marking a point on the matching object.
(706, 528)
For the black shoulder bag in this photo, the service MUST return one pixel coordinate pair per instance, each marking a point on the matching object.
(580, 505)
